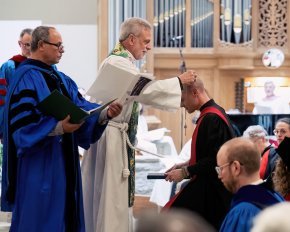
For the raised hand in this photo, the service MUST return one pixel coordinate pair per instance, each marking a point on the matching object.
(188, 77)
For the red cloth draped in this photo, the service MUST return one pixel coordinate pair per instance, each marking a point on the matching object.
(3, 81)
(192, 160)
(264, 163)
(18, 58)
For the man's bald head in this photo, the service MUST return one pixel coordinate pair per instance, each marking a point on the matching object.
(196, 85)
(244, 151)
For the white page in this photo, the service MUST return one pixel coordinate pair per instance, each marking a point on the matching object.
(112, 82)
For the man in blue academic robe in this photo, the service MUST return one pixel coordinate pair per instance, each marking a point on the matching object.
(41, 175)
(238, 168)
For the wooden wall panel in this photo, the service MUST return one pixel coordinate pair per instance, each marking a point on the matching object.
(218, 79)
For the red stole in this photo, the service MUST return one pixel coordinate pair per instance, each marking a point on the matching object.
(18, 58)
(264, 162)
(3, 90)
(192, 160)
(287, 197)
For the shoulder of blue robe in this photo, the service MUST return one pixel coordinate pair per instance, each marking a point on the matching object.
(239, 219)
(7, 69)
(24, 127)
(257, 194)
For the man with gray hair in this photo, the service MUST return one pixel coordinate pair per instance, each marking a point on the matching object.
(238, 164)
(42, 179)
(8, 68)
(259, 136)
(109, 165)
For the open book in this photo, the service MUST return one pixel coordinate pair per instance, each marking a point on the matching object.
(115, 82)
(59, 106)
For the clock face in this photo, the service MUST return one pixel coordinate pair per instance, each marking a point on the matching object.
(273, 58)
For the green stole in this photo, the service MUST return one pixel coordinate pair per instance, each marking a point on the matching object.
(119, 50)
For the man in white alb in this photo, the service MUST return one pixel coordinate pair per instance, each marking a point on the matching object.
(108, 167)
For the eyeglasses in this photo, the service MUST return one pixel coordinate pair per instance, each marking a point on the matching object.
(281, 131)
(220, 168)
(58, 45)
(27, 45)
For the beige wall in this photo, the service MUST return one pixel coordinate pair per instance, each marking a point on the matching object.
(219, 72)
(51, 12)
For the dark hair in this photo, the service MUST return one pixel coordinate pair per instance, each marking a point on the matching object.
(285, 120)
(38, 34)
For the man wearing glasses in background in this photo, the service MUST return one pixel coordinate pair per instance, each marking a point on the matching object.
(6, 72)
(7, 69)
(24, 42)
(43, 179)
(238, 165)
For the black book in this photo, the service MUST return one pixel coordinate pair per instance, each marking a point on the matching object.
(59, 106)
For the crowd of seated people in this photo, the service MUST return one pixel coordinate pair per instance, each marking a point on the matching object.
(274, 170)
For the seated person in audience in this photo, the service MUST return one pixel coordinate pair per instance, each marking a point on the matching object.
(258, 135)
(282, 129)
(274, 218)
(7, 69)
(271, 103)
(172, 221)
(238, 164)
(281, 177)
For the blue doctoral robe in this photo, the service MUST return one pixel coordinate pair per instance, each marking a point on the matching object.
(246, 204)
(46, 166)
(6, 71)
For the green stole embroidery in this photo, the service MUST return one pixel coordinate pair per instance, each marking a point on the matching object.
(119, 50)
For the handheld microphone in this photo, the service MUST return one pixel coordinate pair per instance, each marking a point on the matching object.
(179, 37)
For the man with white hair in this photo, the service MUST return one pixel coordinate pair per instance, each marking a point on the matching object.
(258, 135)
(109, 165)
(272, 219)
(271, 103)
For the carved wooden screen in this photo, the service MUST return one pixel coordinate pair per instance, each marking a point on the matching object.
(272, 23)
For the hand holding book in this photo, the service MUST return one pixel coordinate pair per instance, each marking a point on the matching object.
(59, 106)
(114, 110)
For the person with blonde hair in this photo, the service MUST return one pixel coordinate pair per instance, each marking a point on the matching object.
(176, 220)
(273, 219)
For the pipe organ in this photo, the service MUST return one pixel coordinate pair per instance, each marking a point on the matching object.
(169, 23)
(235, 21)
(223, 40)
